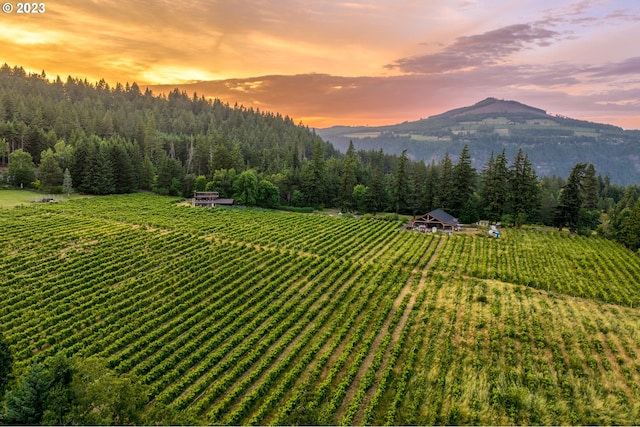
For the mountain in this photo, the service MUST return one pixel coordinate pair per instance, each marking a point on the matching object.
(493, 106)
(554, 143)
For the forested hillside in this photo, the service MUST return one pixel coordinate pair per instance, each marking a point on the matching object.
(554, 143)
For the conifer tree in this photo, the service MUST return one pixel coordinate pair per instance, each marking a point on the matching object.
(348, 178)
(67, 183)
(401, 184)
(568, 210)
(464, 177)
(590, 188)
(445, 184)
(419, 178)
(494, 192)
(431, 187)
(25, 402)
(314, 178)
(377, 190)
(523, 186)
(4, 151)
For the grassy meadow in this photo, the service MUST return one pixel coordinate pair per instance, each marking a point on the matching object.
(11, 198)
(241, 316)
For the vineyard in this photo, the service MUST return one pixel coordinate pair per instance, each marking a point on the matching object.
(240, 316)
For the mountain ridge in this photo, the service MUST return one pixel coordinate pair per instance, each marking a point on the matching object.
(554, 143)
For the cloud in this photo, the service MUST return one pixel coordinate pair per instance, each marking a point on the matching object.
(590, 13)
(323, 62)
(484, 49)
(630, 66)
(324, 99)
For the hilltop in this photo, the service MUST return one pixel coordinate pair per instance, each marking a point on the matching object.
(492, 106)
(554, 143)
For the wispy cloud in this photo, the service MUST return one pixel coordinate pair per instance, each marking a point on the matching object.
(628, 67)
(487, 48)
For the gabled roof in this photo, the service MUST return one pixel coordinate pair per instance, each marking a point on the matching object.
(442, 216)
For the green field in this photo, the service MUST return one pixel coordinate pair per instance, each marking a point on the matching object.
(11, 198)
(240, 316)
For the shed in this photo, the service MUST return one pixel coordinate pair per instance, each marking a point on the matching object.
(210, 199)
(438, 219)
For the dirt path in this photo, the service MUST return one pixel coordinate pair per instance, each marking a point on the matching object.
(406, 290)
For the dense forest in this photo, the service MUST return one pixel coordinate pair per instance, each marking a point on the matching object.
(62, 136)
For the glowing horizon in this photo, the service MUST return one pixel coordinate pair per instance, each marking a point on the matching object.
(329, 63)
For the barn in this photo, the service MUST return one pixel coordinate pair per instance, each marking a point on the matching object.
(439, 219)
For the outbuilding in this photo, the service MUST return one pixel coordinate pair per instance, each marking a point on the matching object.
(210, 199)
(436, 219)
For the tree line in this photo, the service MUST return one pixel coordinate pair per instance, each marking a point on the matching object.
(96, 139)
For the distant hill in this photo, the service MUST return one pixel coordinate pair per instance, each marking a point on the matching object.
(554, 143)
(492, 105)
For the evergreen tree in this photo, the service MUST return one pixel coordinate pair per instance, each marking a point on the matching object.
(445, 184)
(314, 178)
(568, 211)
(470, 212)
(418, 198)
(401, 184)
(431, 188)
(67, 183)
(523, 186)
(494, 193)
(25, 402)
(124, 175)
(98, 175)
(84, 154)
(145, 174)
(170, 174)
(377, 191)
(464, 179)
(590, 188)
(4, 151)
(348, 178)
(151, 140)
(295, 156)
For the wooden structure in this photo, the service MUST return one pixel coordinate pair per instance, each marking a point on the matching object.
(210, 199)
(436, 220)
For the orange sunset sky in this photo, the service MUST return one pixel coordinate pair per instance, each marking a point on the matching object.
(347, 62)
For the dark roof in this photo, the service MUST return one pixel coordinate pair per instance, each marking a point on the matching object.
(443, 216)
(222, 201)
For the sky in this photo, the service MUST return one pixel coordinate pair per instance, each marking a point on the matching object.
(352, 62)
